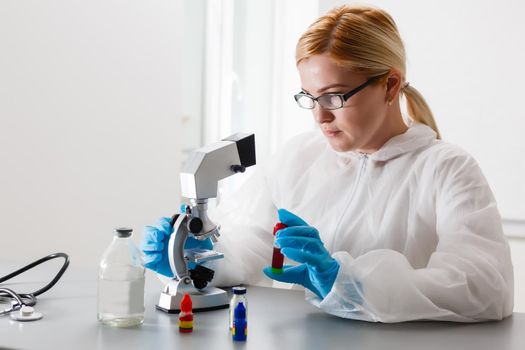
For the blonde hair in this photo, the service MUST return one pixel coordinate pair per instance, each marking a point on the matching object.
(364, 40)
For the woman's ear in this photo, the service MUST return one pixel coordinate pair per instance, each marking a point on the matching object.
(393, 85)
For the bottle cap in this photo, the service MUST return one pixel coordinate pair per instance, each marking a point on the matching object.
(186, 304)
(239, 290)
(123, 232)
(278, 226)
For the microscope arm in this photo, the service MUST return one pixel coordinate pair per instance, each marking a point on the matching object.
(176, 248)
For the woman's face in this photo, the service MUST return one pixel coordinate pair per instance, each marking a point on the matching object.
(359, 124)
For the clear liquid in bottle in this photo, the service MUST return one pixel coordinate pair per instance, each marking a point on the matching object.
(121, 283)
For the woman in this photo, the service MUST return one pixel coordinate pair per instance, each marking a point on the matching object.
(401, 226)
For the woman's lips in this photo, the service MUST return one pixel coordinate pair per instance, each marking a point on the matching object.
(331, 133)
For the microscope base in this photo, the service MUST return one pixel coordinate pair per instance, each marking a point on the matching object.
(210, 299)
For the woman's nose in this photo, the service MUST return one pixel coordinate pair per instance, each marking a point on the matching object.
(322, 115)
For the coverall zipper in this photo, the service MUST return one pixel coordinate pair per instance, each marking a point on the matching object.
(363, 159)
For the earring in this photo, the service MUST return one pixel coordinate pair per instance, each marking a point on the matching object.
(389, 102)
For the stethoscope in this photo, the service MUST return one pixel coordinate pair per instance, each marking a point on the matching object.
(24, 302)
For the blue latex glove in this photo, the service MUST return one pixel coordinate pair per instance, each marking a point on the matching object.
(155, 246)
(301, 242)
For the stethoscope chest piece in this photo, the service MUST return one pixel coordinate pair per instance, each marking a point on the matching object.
(26, 313)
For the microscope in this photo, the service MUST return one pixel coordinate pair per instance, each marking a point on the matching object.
(199, 177)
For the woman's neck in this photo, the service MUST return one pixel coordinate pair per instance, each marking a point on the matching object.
(394, 125)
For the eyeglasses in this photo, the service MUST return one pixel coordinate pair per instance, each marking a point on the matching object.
(330, 101)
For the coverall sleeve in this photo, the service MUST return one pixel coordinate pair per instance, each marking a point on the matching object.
(246, 219)
(468, 278)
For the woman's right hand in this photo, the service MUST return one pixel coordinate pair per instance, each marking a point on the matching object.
(155, 246)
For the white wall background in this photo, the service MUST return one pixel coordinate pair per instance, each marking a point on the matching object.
(251, 76)
(94, 110)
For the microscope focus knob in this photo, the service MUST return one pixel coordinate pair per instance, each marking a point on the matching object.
(195, 225)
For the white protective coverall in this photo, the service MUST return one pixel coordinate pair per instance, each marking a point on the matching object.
(414, 227)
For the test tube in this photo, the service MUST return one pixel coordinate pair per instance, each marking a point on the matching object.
(278, 257)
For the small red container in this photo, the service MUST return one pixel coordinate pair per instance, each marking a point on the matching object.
(186, 315)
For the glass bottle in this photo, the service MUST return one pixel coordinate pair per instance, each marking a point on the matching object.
(121, 282)
(239, 295)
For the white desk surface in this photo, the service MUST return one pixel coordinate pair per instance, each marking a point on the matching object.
(278, 319)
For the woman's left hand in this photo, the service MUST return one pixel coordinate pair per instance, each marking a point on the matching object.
(301, 242)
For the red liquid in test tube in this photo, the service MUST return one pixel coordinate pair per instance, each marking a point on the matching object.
(278, 257)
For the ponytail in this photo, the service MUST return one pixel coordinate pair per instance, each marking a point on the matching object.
(418, 109)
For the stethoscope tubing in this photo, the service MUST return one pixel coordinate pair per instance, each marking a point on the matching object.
(29, 299)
